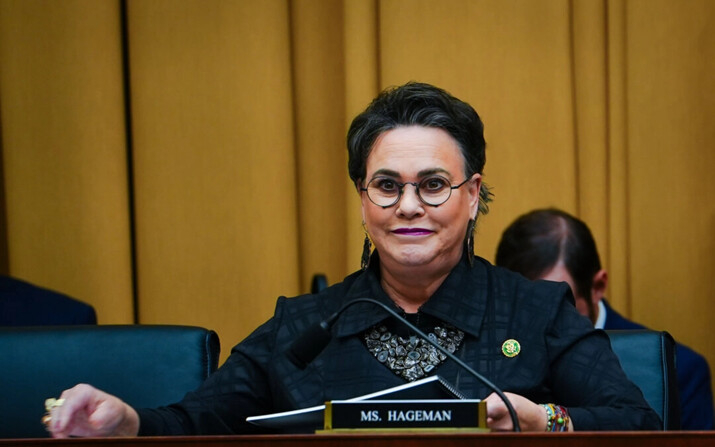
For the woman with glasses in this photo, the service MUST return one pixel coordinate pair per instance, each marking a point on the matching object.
(416, 156)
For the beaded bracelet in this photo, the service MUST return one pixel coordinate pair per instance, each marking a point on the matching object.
(557, 418)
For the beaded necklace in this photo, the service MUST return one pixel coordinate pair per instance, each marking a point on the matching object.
(412, 358)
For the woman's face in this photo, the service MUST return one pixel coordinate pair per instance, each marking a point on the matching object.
(411, 233)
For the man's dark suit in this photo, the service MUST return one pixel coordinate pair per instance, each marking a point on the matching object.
(23, 304)
(696, 397)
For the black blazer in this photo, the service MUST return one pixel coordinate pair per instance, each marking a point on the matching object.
(563, 359)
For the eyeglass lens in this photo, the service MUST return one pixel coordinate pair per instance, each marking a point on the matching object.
(433, 190)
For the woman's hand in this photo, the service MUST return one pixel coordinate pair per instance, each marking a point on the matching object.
(532, 416)
(87, 411)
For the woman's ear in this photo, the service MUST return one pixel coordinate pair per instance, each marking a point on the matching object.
(358, 185)
(475, 186)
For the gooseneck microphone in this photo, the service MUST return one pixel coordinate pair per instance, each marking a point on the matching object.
(307, 347)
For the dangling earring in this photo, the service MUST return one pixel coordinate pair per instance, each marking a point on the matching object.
(366, 245)
(469, 241)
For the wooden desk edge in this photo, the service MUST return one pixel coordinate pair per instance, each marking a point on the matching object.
(584, 439)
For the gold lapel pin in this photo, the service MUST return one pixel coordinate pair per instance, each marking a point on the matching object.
(511, 348)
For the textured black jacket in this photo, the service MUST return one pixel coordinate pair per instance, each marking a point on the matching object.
(563, 360)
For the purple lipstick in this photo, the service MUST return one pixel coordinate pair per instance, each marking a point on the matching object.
(413, 231)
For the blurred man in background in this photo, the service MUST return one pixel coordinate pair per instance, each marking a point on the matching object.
(553, 245)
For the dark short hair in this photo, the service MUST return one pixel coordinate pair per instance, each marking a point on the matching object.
(535, 242)
(419, 104)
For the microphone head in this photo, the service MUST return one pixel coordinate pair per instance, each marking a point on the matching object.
(311, 343)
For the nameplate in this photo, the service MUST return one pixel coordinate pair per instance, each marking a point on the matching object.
(405, 414)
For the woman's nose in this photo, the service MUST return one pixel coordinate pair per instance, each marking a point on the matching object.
(410, 202)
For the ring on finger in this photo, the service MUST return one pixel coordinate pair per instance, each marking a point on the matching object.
(53, 403)
(49, 405)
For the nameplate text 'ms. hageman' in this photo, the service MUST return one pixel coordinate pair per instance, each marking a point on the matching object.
(405, 414)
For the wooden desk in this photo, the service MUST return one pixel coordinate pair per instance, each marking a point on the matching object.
(581, 439)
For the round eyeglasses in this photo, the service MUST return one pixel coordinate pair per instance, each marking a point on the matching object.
(433, 190)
